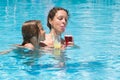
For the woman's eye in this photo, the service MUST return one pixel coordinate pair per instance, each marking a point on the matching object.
(60, 18)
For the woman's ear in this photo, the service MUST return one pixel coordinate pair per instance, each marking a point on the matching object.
(50, 21)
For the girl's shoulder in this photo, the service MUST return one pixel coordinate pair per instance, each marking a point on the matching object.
(27, 45)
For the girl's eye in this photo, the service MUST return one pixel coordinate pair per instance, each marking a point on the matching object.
(41, 28)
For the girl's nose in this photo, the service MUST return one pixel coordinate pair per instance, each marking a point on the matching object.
(43, 31)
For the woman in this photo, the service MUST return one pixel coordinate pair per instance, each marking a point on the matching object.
(56, 22)
(32, 33)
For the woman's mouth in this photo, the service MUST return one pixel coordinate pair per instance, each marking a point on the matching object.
(62, 28)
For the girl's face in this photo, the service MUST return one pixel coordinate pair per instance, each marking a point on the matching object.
(59, 21)
(41, 33)
(35, 41)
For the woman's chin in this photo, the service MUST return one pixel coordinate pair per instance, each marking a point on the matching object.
(62, 31)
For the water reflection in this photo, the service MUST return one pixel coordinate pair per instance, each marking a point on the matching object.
(95, 27)
(34, 61)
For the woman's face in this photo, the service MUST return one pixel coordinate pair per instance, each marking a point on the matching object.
(59, 21)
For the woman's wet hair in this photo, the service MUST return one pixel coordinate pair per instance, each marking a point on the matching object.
(30, 29)
(52, 13)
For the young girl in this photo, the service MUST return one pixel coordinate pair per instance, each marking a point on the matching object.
(32, 33)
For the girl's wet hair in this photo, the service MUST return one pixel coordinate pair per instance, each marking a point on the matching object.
(52, 13)
(29, 29)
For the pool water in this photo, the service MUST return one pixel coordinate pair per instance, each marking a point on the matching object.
(95, 26)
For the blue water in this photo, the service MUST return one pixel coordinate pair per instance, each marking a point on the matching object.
(95, 25)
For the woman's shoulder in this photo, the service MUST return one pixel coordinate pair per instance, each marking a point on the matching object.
(47, 36)
(48, 40)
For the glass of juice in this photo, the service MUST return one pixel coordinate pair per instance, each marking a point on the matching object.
(57, 42)
(68, 38)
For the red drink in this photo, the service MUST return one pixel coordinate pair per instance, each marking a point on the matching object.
(68, 38)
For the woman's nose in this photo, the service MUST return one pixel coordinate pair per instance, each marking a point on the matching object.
(64, 21)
